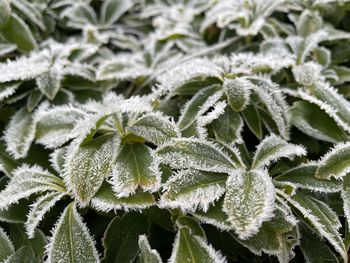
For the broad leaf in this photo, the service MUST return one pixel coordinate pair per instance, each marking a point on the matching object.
(23, 255)
(272, 148)
(228, 126)
(252, 194)
(193, 189)
(238, 93)
(49, 83)
(335, 163)
(194, 154)
(6, 246)
(147, 254)
(71, 241)
(253, 120)
(87, 166)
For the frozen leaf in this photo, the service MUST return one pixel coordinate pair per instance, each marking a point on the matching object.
(194, 154)
(147, 254)
(273, 148)
(6, 246)
(30, 11)
(335, 163)
(345, 195)
(5, 12)
(237, 92)
(249, 201)
(106, 199)
(309, 22)
(91, 125)
(24, 252)
(135, 167)
(154, 128)
(313, 121)
(189, 247)
(253, 120)
(71, 241)
(38, 209)
(18, 32)
(57, 159)
(121, 237)
(7, 48)
(27, 181)
(112, 10)
(7, 163)
(193, 189)
(303, 177)
(57, 125)
(307, 74)
(34, 98)
(20, 133)
(228, 126)
(49, 83)
(87, 166)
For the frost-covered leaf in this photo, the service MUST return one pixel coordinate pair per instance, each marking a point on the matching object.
(313, 121)
(23, 253)
(30, 11)
(49, 83)
(18, 32)
(122, 235)
(57, 159)
(5, 12)
(7, 163)
(308, 23)
(307, 74)
(237, 92)
(253, 120)
(135, 167)
(112, 10)
(228, 126)
(155, 128)
(249, 201)
(6, 246)
(336, 163)
(345, 195)
(272, 148)
(7, 48)
(27, 181)
(20, 133)
(189, 247)
(193, 189)
(303, 177)
(147, 254)
(106, 199)
(71, 241)
(57, 125)
(38, 209)
(8, 89)
(87, 166)
(194, 154)
(320, 217)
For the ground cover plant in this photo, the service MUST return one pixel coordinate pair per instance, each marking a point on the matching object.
(177, 131)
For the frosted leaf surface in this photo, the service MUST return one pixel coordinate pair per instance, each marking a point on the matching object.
(147, 254)
(238, 92)
(6, 246)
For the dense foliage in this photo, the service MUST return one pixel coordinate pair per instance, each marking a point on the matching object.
(174, 130)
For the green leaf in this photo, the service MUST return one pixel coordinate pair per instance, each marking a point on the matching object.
(71, 241)
(147, 255)
(87, 166)
(105, 200)
(96, 122)
(34, 99)
(253, 194)
(7, 163)
(303, 177)
(189, 247)
(228, 127)
(20, 133)
(252, 119)
(237, 92)
(193, 189)
(345, 195)
(194, 154)
(308, 23)
(133, 168)
(49, 83)
(112, 10)
(17, 32)
(23, 255)
(314, 122)
(121, 238)
(154, 128)
(336, 163)
(5, 12)
(272, 148)
(6, 246)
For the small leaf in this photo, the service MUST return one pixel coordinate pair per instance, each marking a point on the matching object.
(135, 167)
(49, 83)
(112, 10)
(7, 163)
(147, 254)
(193, 189)
(194, 154)
(237, 92)
(27, 181)
(121, 237)
(20, 133)
(71, 241)
(6, 246)
(272, 148)
(313, 121)
(335, 163)
(252, 119)
(22, 255)
(87, 166)
(154, 128)
(303, 177)
(38, 209)
(252, 194)
(34, 99)
(308, 23)
(16, 31)
(105, 200)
